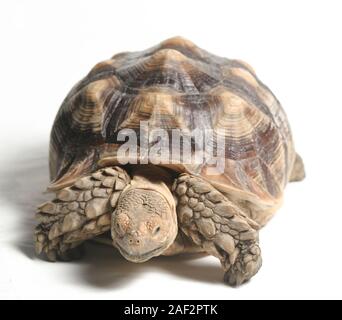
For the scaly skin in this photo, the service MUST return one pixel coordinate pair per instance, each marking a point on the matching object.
(206, 216)
(78, 213)
(219, 226)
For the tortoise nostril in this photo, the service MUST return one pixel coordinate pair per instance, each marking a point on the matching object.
(138, 241)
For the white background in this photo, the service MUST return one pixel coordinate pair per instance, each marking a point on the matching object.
(295, 48)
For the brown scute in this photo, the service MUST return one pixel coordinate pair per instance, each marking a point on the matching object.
(177, 85)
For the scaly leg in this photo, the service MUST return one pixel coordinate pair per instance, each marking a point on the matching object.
(212, 221)
(78, 213)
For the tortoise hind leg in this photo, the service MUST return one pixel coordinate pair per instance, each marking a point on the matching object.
(219, 226)
(79, 212)
(298, 171)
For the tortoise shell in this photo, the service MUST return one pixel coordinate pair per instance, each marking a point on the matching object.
(177, 85)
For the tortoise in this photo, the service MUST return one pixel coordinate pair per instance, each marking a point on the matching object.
(145, 208)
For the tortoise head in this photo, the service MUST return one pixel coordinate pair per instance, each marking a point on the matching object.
(144, 224)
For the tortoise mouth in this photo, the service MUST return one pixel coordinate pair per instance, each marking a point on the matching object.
(137, 258)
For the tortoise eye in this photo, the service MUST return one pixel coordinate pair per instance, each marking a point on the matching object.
(121, 224)
(156, 230)
(118, 229)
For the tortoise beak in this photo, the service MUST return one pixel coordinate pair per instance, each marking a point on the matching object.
(136, 254)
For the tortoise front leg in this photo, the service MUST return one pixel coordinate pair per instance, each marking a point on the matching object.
(79, 212)
(219, 226)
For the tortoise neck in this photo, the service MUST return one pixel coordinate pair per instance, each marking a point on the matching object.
(151, 174)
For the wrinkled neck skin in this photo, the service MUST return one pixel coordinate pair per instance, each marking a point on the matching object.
(144, 223)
